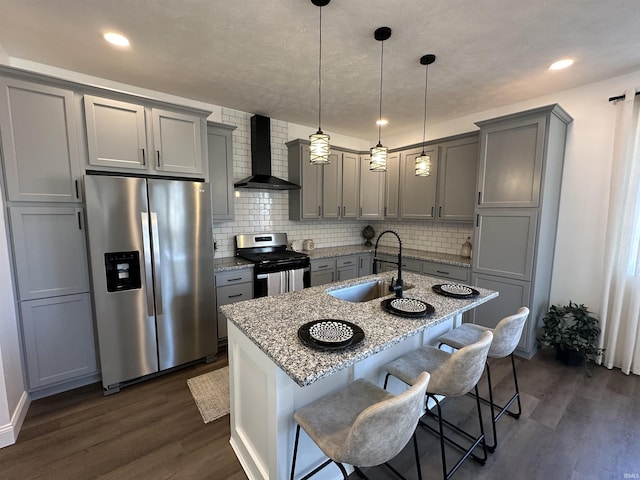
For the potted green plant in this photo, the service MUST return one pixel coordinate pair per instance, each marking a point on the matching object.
(572, 331)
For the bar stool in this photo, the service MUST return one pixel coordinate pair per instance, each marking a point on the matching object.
(362, 425)
(506, 336)
(452, 375)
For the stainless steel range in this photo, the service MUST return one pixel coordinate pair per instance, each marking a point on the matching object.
(276, 268)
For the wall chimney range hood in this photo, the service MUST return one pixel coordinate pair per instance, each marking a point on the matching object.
(261, 178)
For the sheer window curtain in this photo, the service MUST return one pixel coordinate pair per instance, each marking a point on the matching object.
(620, 314)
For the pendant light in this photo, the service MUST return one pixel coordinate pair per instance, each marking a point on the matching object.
(319, 141)
(379, 152)
(423, 162)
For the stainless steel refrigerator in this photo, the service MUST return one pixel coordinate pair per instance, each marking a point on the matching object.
(151, 253)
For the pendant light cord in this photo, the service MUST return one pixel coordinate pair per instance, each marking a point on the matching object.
(320, 77)
(424, 126)
(381, 64)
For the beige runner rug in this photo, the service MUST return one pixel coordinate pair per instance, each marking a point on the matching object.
(211, 393)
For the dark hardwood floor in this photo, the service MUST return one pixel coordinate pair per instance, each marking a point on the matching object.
(573, 427)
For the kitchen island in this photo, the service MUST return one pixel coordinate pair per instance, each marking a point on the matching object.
(272, 373)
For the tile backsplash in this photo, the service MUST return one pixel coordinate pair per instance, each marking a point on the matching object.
(262, 211)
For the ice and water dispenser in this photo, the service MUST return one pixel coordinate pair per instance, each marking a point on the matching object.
(123, 271)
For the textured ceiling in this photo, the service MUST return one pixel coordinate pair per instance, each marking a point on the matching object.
(261, 56)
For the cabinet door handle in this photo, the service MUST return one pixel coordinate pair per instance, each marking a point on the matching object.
(338, 210)
(79, 222)
(477, 220)
(77, 190)
(479, 197)
(234, 279)
(385, 211)
(158, 153)
(440, 212)
(344, 210)
(144, 158)
(443, 272)
(323, 266)
(318, 210)
(360, 211)
(235, 296)
(347, 263)
(432, 209)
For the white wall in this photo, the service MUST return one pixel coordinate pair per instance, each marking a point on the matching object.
(577, 272)
(12, 389)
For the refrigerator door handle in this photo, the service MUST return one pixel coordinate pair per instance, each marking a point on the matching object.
(155, 238)
(146, 252)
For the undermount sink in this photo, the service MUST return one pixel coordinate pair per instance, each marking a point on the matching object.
(363, 292)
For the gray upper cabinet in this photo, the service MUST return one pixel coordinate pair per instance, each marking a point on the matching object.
(177, 140)
(350, 184)
(125, 136)
(418, 194)
(372, 188)
(511, 168)
(519, 179)
(332, 186)
(220, 153)
(392, 186)
(39, 131)
(457, 179)
(340, 185)
(306, 203)
(116, 134)
(50, 251)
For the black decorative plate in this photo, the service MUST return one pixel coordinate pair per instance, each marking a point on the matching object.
(330, 334)
(407, 307)
(455, 290)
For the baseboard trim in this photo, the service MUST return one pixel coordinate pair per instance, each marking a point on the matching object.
(9, 433)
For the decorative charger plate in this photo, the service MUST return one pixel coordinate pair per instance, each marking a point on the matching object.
(455, 290)
(330, 334)
(407, 307)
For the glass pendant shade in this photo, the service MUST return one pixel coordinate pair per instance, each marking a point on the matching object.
(319, 148)
(378, 158)
(423, 165)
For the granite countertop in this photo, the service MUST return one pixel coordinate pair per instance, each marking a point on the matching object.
(272, 323)
(233, 263)
(444, 258)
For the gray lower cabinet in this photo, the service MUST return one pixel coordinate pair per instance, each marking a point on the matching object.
(323, 271)
(518, 194)
(365, 264)
(455, 273)
(39, 133)
(346, 268)
(220, 156)
(58, 337)
(513, 295)
(231, 287)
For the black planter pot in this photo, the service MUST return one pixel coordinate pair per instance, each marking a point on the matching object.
(569, 357)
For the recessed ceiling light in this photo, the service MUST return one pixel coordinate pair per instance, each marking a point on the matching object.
(382, 121)
(560, 64)
(116, 39)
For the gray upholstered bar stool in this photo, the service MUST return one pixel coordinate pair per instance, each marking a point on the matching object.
(452, 375)
(506, 336)
(362, 425)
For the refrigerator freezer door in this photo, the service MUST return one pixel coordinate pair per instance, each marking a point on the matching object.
(116, 221)
(183, 274)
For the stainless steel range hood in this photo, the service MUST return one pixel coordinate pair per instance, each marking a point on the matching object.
(261, 178)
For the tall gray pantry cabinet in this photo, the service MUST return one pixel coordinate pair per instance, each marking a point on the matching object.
(42, 169)
(518, 188)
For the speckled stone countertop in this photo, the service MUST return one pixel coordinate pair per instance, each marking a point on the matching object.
(445, 258)
(230, 263)
(272, 323)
